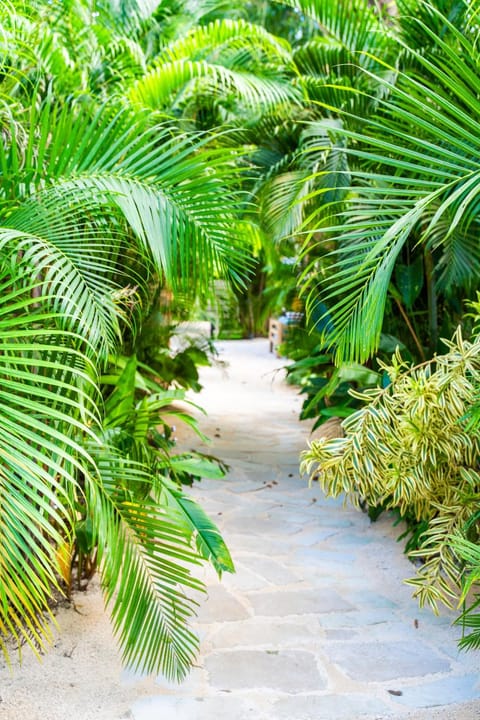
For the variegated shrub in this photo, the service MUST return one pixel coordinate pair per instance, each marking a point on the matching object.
(410, 447)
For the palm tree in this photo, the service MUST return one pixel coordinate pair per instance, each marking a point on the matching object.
(216, 73)
(410, 217)
(298, 161)
(96, 201)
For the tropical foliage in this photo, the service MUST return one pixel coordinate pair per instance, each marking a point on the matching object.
(154, 146)
(403, 234)
(410, 447)
(101, 204)
(393, 258)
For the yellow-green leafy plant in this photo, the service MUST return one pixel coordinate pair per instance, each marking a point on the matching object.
(411, 448)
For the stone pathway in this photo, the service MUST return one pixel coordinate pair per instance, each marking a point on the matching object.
(316, 623)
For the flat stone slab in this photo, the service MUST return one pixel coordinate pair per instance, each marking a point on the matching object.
(276, 670)
(262, 524)
(298, 602)
(361, 619)
(375, 662)
(258, 632)
(256, 544)
(330, 707)
(199, 708)
(441, 692)
(355, 539)
(244, 579)
(220, 606)
(311, 557)
(368, 598)
(273, 572)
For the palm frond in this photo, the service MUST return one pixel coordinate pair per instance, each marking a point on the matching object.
(79, 259)
(198, 525)
(436, 21)
(354, 25)
(318, 168)
(162, 87)
(282, 197)
(146, 567)
(48, 399)
(414, 169)
(175, 193)
(213, 41)
(149, 534)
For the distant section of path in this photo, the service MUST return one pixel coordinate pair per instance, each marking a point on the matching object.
(315, 625)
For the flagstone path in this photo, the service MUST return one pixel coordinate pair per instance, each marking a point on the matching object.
(315, 625)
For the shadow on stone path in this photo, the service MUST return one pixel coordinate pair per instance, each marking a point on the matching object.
(316, 623)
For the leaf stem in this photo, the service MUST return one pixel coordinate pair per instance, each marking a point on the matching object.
(432, 300)
(411, 328)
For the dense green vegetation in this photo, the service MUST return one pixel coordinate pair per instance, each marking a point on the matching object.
(303, 153)
(103, 204)
(395, 257)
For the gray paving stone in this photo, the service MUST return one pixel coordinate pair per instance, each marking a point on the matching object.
(358, 619)
(292, 514)
(328, 518)
(375, 662)
(441, 692)
(370, 599)
(312, 537)
(194, 685)
(257, 544)
(330, 707)
(261, 525)
(259, 632)
(319, 555)
(356, 539)
(247, 486)
(289, 602)
(427, 618)
(271, 570)
(295, 671)
(168, 707)
(394, 630)
(341, 634)
(219, 606)
(243, 579)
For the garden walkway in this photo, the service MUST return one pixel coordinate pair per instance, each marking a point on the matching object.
(316, 623)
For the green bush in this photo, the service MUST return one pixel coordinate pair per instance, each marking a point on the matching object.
(411, 448)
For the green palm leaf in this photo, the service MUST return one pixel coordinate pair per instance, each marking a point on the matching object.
(47, 398)
(146, 560)
(231, 56)
(196, 523)
(176, 194)
(415, 170)
(353, 25)
(218, 38)
(84, 277)
(157, 89)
